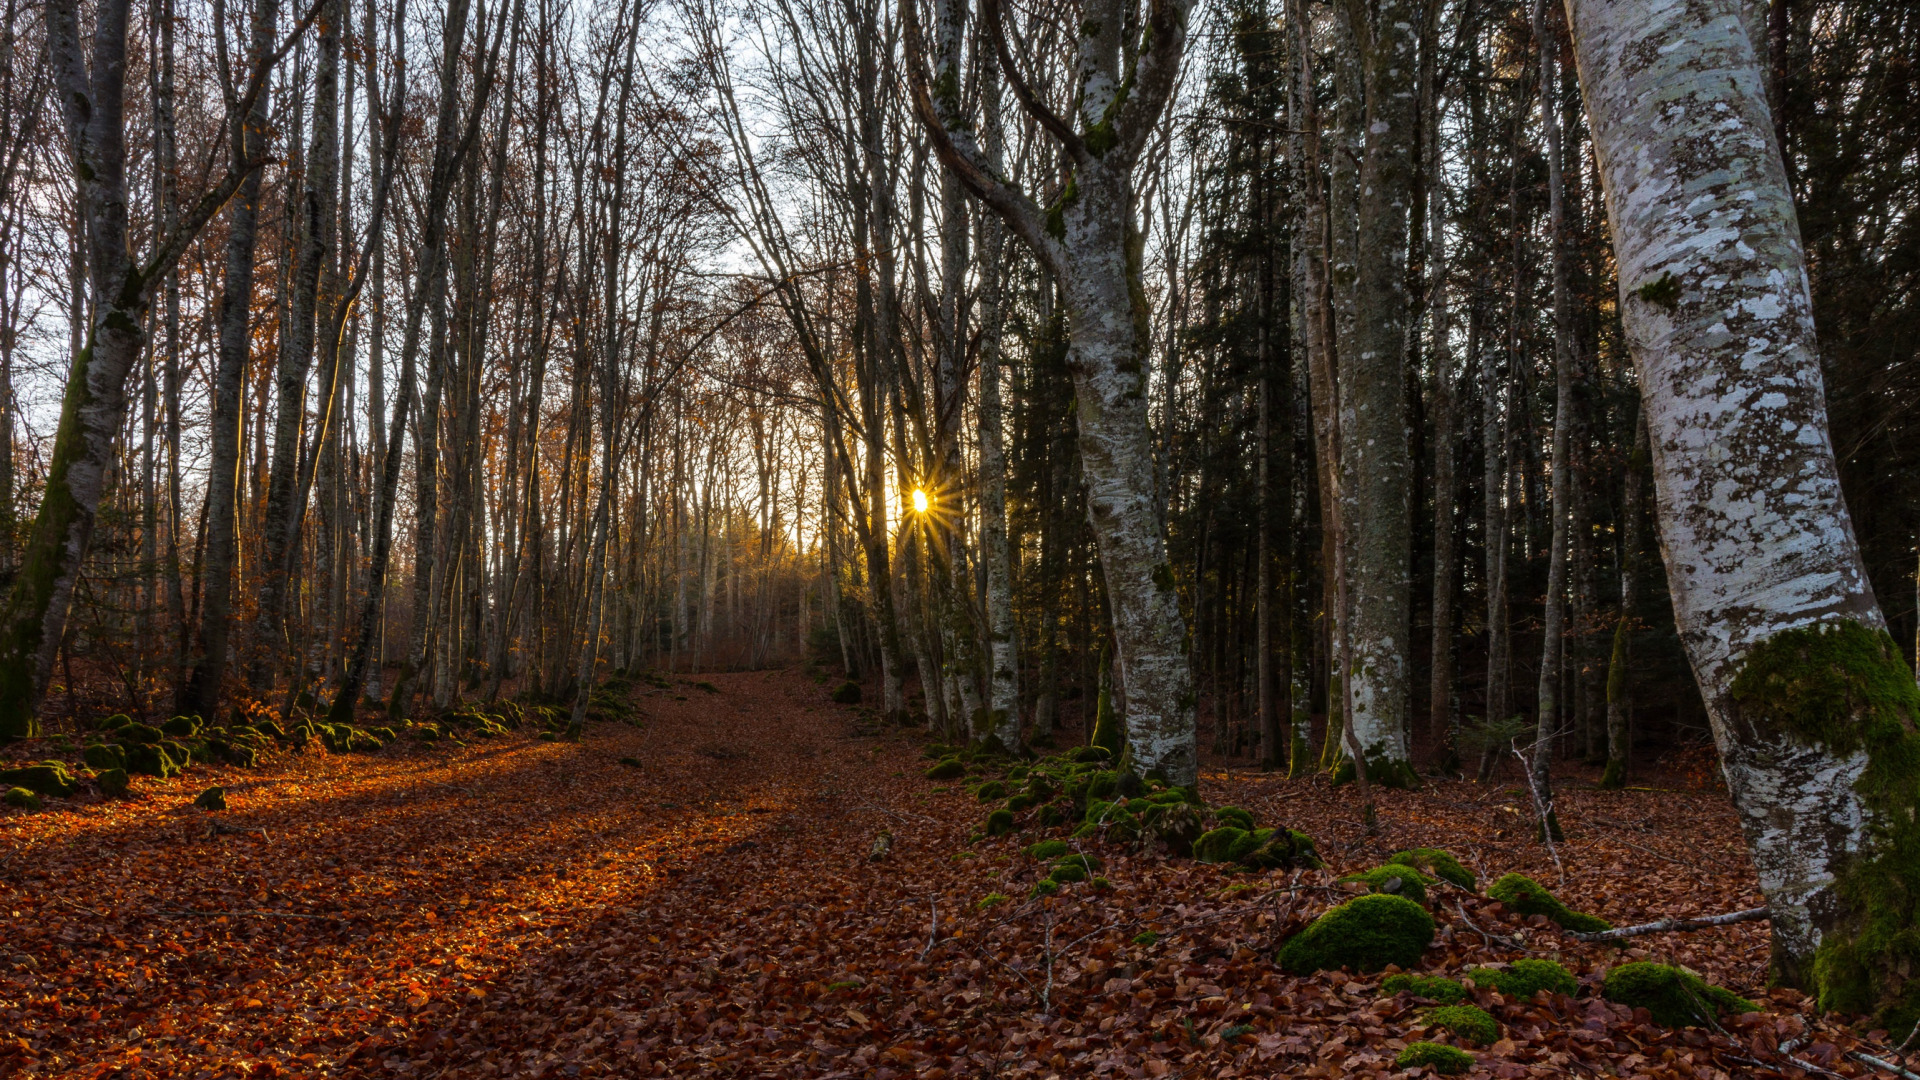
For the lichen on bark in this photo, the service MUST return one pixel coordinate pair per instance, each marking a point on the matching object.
(1844, 689)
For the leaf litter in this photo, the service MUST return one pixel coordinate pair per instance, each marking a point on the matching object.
(540, 909)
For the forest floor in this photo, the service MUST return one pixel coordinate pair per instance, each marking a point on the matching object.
(527, 908)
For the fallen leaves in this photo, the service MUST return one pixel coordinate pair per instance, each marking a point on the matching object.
(530, 908)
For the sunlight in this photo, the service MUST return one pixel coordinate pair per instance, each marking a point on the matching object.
(919, 501)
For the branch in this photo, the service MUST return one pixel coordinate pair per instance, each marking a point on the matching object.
(1075, 147)
(1664, 925)
(1154, 75)
(1020, 213)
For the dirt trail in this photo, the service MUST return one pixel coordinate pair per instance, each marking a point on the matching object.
(528, 908)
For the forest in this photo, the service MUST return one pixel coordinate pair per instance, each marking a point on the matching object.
(960, 538)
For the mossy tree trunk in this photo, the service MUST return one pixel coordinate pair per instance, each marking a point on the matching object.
(120, 287)
(1812, 707)
(1092, 242)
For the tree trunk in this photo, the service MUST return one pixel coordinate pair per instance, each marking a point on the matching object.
(1811, 704)
(1553, 646)
(1619, 669)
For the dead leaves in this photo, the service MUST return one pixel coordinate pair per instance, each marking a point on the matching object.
(538, 909)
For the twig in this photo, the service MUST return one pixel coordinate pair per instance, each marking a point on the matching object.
(80, 907)
(1664, 925)
(933, 928)
(1491, 938)
(1542, 809)
(1880, 1063)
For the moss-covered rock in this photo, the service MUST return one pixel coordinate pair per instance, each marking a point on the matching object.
(151, 759)
(948, 769)
(105, 756)
(1676, 997)
(1224, 844)
(1396, 878)
(46, 778)
(1434, 987)
(1044, 887)
(1282, 848)
(1365, 934)
(143, 734)
(1468, 1023)
(1089, 754)
(1381, 772)
(1441, 1058)
(1054, 815)
(1528, 897)
(115, 722)
(1068, 872)
(111, 781)
(1089, 863)
(180, 752)
(999, 823)
(991, 791)
(1048, 849)
(847, 693)
(1234, 816)
(1437, 863)
(1846, 690)
(182, 727)
(22, 798)
(1522, 979)
(214, 798)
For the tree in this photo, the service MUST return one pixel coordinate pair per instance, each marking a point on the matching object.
(1812, 708)
(1090, 240)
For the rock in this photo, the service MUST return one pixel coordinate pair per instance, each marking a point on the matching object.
(1526, 896)
(1522, 979)
(140, 733)
(847, 693)
(214, 798)
(46, 778)
(1675, 996)
(146, 759)
(1218, 845)
(1365, 934)
(112, 781)
(182, 727)
(22, 798)
(1438, 863)
(1397, 878)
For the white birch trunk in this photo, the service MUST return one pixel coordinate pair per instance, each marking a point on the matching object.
(1810, 703)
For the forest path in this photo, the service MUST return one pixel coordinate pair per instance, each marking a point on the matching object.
(527, 908)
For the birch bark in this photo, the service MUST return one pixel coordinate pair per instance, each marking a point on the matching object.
(1811, 706)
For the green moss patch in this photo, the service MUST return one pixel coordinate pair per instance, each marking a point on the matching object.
(1396, 878)
(1441, 1058)
(999, 823)
(949, 769)
(105, 756)
(991, 899)
(112, 781)
(1528, 897)
(1434, 987)
(1846, 689)
(1048, 849)
(1437, 863)
(1469, 1023)
(22, 798)
(1522, 979)
(1365, 934)
(46, 778)
(1674, 996)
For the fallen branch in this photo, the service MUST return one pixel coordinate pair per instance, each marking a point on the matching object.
(1883, 1064)
(247, 914)
(1488, 937)
(1664, 925)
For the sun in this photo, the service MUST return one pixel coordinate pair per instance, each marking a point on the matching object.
(919, 501)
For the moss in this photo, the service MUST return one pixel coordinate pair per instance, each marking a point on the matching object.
(1177, 826)
(1663, 291)
(1398, 879)
(1281, 848)
(1443, 1059)
(630, 762)
(1674, 996)
(22, 798)
(1366, 934)
(182, 727)
(1090, 754)
(999, 823)
(991, 791)
(991, 899)
(1437, 863)
(1522, 979)
(847, 693)
(1435, 987)
(949, 769)
(1528, 897)
(1381, 772)
(1233, 815)
(1044, 887)
(143, 734)
(1218, 845)
(1145, 937)
(117, 720)
(1066, 872)
(1054, 815)
(1846, 689)
(214, 798)
(46, 778)
(1048, 849)
(112, 781)
(147, 759)
(1469, 1023)
(1089, 863)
